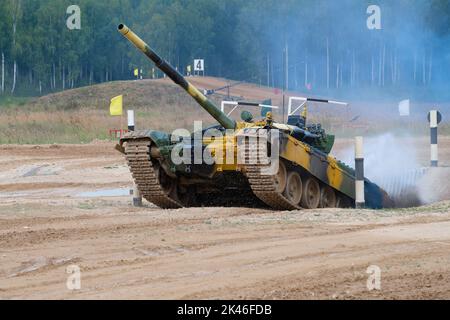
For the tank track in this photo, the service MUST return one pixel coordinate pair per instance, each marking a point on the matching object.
(145, 174)
(264, 186)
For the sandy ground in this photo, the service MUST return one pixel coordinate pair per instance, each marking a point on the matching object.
(49, 221)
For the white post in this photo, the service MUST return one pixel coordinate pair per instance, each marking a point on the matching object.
(131, 124)
(287, 67)
(14, 78)
(328, 64)
(137, 198)
(434, 138)
(3, 72)
(359, 173)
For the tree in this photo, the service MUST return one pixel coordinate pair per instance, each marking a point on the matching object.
(329, 44)
(16, 16)
(5, 41)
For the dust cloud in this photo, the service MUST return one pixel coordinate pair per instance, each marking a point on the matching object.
(393, 165)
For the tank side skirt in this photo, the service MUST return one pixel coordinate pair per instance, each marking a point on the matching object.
(324, 168)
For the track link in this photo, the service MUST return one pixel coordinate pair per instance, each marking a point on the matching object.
(146, 176)
(263, 185)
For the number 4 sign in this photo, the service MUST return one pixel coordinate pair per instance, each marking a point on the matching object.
(199, 65)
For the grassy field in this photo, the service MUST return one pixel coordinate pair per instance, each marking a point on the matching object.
(82, 115)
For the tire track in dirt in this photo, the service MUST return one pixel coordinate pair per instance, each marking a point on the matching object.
(124, 252)
(231, 263)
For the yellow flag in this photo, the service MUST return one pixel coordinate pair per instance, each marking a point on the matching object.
(136, 72)
(305, 112)
(116, 108)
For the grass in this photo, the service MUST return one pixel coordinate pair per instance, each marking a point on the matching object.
(24, 127)
(7, 102)
(82, 115)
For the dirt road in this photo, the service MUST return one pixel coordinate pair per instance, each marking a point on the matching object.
(67, 205)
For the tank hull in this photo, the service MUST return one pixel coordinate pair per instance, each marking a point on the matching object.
(234, 183)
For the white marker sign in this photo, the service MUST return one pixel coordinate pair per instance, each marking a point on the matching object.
(199, 65)
(403, 108)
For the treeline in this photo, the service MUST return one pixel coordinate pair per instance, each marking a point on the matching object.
(313, 45)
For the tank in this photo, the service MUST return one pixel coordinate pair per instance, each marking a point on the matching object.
(254, 163)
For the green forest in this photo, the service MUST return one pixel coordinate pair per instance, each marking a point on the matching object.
(315, 45)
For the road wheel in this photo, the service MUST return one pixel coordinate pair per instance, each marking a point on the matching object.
(167, 183)
(187, 196)
(311, 194)
(280, 178)
(327, 198)
(343, 203)
(294, 188)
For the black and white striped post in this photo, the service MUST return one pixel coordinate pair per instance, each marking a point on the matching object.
(434, 117)
(131, 124)
(359, 173)
(137, 198)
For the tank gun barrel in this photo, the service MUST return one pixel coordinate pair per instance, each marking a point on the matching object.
(178, 78)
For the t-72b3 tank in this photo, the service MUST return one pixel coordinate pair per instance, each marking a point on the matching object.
(239, 163)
